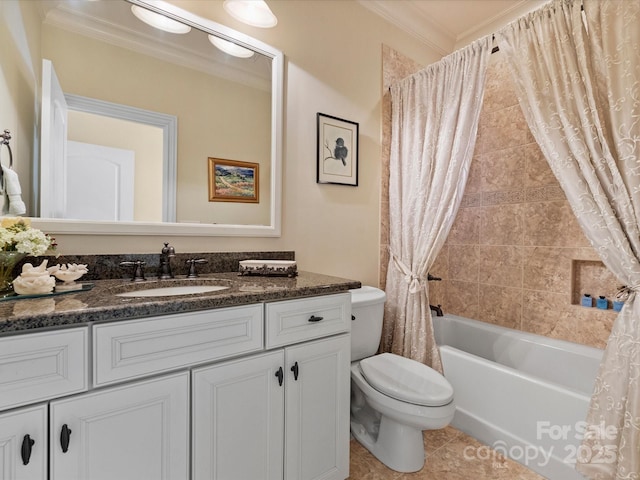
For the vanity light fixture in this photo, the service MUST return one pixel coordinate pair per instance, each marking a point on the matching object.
(252, 12)
(230, 47)
(159, 21)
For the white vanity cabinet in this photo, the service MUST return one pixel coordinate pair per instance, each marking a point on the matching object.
(23, 444)
(39, 366)
(138, 431)
(317, 410)
(249, 392)
(238, 419)
(284, 413)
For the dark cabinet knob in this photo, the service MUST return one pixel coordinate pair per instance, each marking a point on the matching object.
(65, 436)
(313, 318)
(280, 376)
(294, 369)
(25, 451)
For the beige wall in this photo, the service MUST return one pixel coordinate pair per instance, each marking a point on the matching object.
(19, 86)
(333, 66)
(516, 255)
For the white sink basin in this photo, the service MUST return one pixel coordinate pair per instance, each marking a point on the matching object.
(170, 291)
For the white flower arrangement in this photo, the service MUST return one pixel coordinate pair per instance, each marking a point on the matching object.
(16, 235)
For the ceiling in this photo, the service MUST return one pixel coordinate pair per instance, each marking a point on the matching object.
(446, 25)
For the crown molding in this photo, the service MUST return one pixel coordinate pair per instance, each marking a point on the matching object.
(406, 16)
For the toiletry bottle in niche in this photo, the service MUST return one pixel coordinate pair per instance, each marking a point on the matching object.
(617, 305)
(587, 300)
(602, 302)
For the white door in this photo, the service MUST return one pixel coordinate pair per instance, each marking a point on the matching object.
(99, 182)
(53, 141)
(133, 432)
(238, 419)
(317, 410)
(23, 444)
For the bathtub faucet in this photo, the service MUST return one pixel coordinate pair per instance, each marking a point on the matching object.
(437, 309)
(431, 278)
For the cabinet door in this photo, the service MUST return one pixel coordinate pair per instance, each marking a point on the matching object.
(135, 432)
(23, 444)
(238, 419)
(317, 410)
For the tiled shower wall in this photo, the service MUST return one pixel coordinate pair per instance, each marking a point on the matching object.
(516, 255)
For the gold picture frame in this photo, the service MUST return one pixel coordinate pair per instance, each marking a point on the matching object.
(233, 181)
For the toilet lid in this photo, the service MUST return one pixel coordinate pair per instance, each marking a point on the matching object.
(407, 380)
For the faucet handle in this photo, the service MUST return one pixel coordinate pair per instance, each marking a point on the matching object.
(138, 273)
(192, 266)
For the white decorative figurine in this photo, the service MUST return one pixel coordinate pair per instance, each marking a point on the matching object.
(68, 273)
(34, 280)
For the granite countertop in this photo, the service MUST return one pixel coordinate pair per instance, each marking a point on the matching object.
(24, 315)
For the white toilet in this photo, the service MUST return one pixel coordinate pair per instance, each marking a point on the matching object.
(393, 398)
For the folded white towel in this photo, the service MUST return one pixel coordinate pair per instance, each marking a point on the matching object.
(13, 203)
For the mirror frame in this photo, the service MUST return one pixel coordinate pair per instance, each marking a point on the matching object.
(84, 227)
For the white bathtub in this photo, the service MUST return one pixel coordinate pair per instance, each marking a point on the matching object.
(524, 395)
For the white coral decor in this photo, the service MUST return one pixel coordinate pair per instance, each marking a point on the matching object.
(34, 280)
(69, 272)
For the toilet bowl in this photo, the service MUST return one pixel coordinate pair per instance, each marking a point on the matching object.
(393, 398)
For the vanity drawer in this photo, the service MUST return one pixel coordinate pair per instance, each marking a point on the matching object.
(137, 348)
(294, 321)
(41, 366)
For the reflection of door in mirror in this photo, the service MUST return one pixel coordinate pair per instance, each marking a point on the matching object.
(53, 144)
(101, 182)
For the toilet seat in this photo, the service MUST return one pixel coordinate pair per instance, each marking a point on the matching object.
(406, 380)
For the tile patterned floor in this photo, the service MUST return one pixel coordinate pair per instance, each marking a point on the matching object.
(451, 455)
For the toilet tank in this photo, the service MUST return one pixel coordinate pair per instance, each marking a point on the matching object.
(367, 308)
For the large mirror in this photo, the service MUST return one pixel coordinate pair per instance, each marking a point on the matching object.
(172, 102)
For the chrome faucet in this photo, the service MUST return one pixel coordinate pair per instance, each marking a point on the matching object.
(165, 261)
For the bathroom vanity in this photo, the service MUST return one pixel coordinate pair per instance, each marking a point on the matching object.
(249, 382)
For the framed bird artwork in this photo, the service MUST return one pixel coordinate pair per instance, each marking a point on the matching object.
(337, 160)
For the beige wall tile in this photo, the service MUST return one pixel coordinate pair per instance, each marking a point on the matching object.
(542, 311)
(544, 194)
(547, 269)
(550, 314)
(500, 265)
(500, 305)
(466, 227)
(501, 225)
(440, 269)
(462, 298)
(498, 94)
(502, 129)
(503, 196)
(474, 180)
(502, 169)
(537, 172)
(553, 224)
(463, 263)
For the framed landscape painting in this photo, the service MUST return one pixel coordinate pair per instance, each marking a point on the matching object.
(233, 181)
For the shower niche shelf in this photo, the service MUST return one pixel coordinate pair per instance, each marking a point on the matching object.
(594, 278)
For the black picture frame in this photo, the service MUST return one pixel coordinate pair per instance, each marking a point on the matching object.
(337, 150)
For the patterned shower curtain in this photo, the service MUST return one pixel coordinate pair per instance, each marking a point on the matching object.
(434, 122)
(576, 66)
